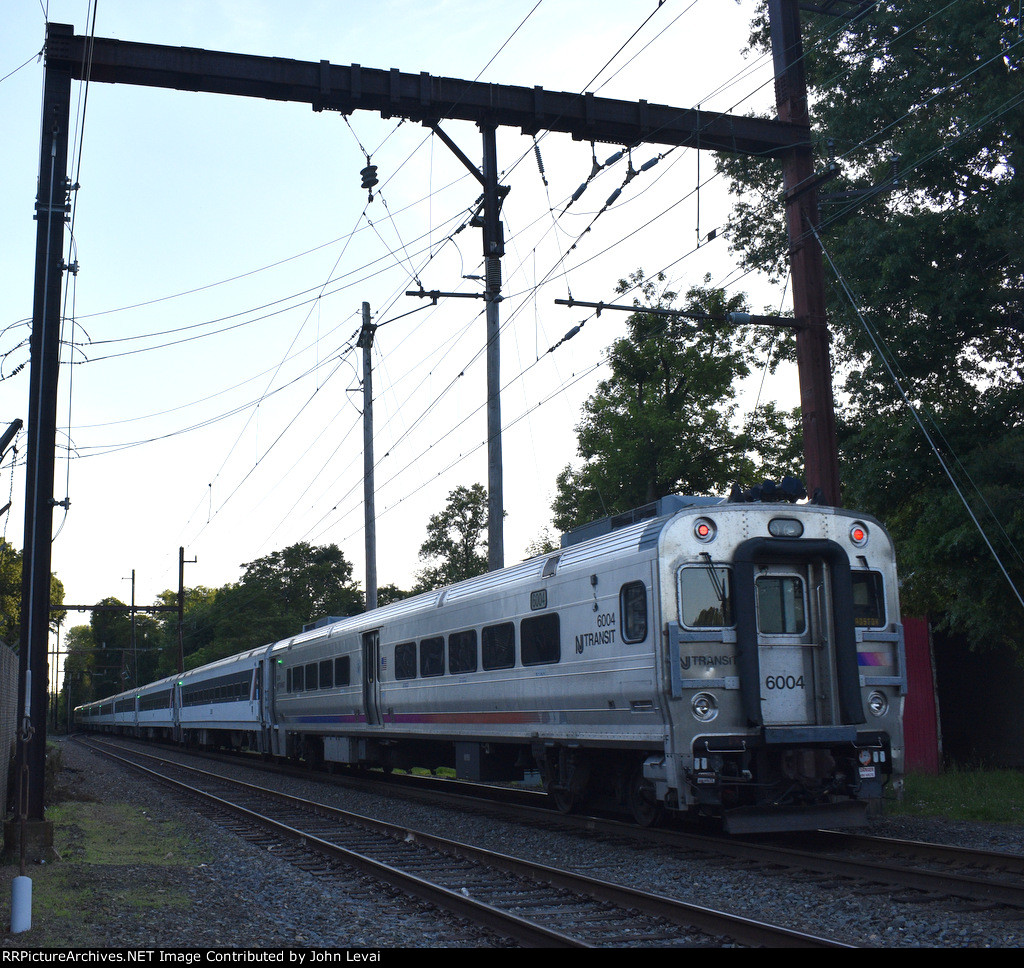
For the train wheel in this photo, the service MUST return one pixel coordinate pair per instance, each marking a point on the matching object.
(643, 804)
(565, 800)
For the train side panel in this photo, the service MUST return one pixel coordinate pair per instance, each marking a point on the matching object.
(157, 714)
(219, 704)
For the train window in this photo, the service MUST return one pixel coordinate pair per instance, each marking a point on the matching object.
(342, 673)
(326, 674)
(705, 597)
(311, 676)
(539, 639)
(633, 611)
(405, 660)
(780, 605)
(298, 682)
(462, 651)
(288, 681)
(432, 657)
(868, 600)
(498, 646)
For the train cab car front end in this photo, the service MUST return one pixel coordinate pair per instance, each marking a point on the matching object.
(786, 666)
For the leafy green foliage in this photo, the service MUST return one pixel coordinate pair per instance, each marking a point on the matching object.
(275, 597)
(387, 594)
(456, 539)
(666, 418)
(934, 267)
(10, 596)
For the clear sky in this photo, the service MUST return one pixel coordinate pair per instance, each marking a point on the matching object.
(210, 397)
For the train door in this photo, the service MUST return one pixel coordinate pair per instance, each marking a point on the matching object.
(795, 638)
(265, 703)
(371, 680)
(790, 645)
(176, 712)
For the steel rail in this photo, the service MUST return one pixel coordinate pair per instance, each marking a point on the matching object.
(743, 930)
(503, 922)
(947, 853)
(964, 886)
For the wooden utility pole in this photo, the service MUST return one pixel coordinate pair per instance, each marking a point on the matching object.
(821, 457)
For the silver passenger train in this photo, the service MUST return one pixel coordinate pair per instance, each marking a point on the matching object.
(700, 656)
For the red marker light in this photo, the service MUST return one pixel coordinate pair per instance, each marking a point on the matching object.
(704, 529)
(859, 535)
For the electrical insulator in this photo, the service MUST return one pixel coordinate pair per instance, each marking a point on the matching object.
(369, 174)
(540, 162)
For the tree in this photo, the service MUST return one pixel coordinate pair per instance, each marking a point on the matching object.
(932, 284)
(544, 544)
(111, 628)
(665, 420)
(277, 595)
(10, 596)
(305, 582)
(80, 661)
(387, 594)
(197, 626)
(455, 539)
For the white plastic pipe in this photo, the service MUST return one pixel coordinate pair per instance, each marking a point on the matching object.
(21, 905)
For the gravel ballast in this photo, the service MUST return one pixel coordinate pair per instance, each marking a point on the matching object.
(243, 896)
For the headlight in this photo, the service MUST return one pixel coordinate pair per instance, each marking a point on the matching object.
(878, 704)
(704, 707)
(859, 534)
(785, 528)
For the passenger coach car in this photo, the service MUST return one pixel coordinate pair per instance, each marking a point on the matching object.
(699, 656)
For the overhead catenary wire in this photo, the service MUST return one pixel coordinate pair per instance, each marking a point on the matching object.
(535, 291)
(884, 358)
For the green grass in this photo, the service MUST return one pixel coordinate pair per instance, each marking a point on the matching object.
(100, 847)
(116, 833)
(989, 796)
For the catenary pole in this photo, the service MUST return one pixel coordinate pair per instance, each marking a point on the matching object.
(51, 210)
(494, 249)
(365, 342)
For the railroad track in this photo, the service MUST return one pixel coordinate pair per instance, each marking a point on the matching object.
(533, 904)
(964, 857)
(925, 870)
(983, 878)
(980, 877)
